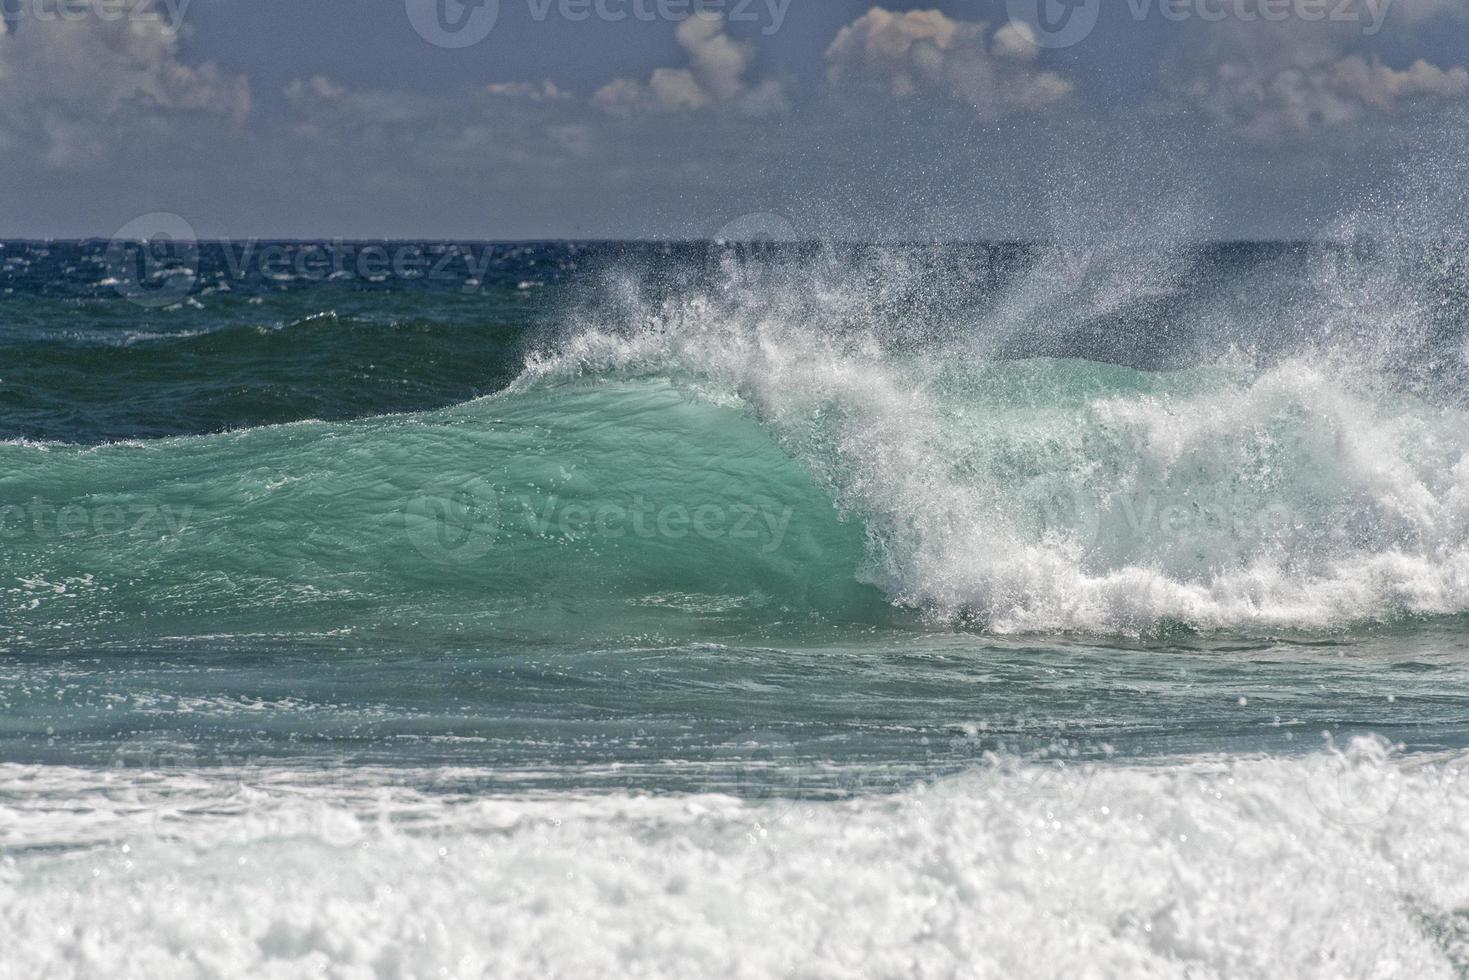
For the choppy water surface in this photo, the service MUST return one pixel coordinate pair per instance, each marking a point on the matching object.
(591, 609)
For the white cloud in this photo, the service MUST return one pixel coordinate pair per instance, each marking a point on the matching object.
(1284, 78)
(926, 52)
(107, 121)
(715, 75)
(77, 86)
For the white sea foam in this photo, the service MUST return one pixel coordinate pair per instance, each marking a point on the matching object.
(1333, 866)
(1058, 496)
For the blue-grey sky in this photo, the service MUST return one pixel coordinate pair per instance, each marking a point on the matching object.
(639, 118)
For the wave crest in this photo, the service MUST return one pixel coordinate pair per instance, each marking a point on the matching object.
(1048, 494)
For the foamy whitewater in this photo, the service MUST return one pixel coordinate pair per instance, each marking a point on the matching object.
(1331, 866)
(961, 610)
(1300, 493)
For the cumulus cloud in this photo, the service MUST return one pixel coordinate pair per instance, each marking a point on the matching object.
(1284, 78)
(715, 75)
(926, 52)
(111, 119)
(77, 85)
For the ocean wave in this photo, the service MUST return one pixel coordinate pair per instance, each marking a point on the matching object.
(796, 440)
(1021, 497)
(1044, 495)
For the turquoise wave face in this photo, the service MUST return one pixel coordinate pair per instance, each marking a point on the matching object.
(610, 507)
(724, 488)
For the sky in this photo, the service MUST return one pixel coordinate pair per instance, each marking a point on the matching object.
(533, 119)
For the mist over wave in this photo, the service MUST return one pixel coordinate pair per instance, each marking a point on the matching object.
(1296, 458)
